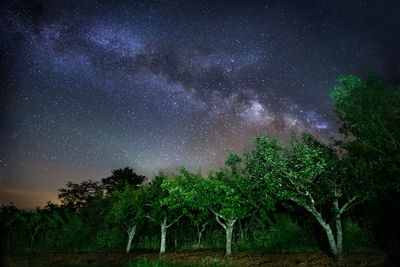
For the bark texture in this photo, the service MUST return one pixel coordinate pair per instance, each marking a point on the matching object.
(131, 235)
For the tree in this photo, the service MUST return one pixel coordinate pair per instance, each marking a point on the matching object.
(226, 193)
(369, 113)
(158, 209)
(33, 221)
(311, 175)
(127, 210)
(78, 196)
(121, 177)
(7, 219)
(230, 195)
(184, 195)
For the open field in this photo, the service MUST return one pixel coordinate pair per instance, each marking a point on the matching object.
(193, 258)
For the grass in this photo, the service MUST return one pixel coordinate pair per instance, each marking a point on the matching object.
(134, 263)
(157, 263)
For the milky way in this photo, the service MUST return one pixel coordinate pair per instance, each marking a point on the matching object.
(90, 87)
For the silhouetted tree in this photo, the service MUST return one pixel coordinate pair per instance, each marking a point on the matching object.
(121, 177)
(77, 196)
(369, 112)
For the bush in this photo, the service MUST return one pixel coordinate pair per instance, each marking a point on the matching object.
(146, 242)
(356, 238)
(283, 235)
(110, 239)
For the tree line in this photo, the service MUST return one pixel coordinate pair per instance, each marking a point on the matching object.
(317, 183)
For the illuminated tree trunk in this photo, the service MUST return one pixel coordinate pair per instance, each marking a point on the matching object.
(228, 226)
(229, 231)
(339, 231)
(164, 228)
(131, 235)
(163, 235)
(200, 232)
(336, 246)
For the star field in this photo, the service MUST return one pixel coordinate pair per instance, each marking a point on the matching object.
(90, 86)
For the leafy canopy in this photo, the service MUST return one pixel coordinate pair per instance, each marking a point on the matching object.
(121, 177)
(369, 112)
(308, 172)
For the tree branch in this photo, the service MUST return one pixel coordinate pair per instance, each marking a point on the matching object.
(219, 215)
(294, 185)
(233, 221)
(149, 217)
(218, 220)
(131, 229)
(177, 219)
(203, 226)
(310, 208)
(347, 205)
(311, 199)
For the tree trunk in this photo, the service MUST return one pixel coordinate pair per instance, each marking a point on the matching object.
(131, 235)
(228, 226)
(339, 232)
(328, 231)
(241, 230)
(163, 235)
(200, 232)
(33, 236)
(336, 245)
(339, 238)
(229, 231)
(331, 239)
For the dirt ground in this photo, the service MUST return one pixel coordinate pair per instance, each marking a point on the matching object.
(200, 258)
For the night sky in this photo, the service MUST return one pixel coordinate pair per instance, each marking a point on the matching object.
(88, 87)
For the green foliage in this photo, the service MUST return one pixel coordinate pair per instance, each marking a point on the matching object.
(34, 222)
(312, 176)
(309, 173)
(14, 236)
(357, 238)
(77, 196)
(214, 238)
(225, 196)
(158, 207)
(226, 191)
(369, 112)
(149, 241)
(283, 235)
(70, 233)
(122, 177)
(291, 174)
(184, 192)
(127, 207)
(245, 191)
(110, 239)
(370, 115)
